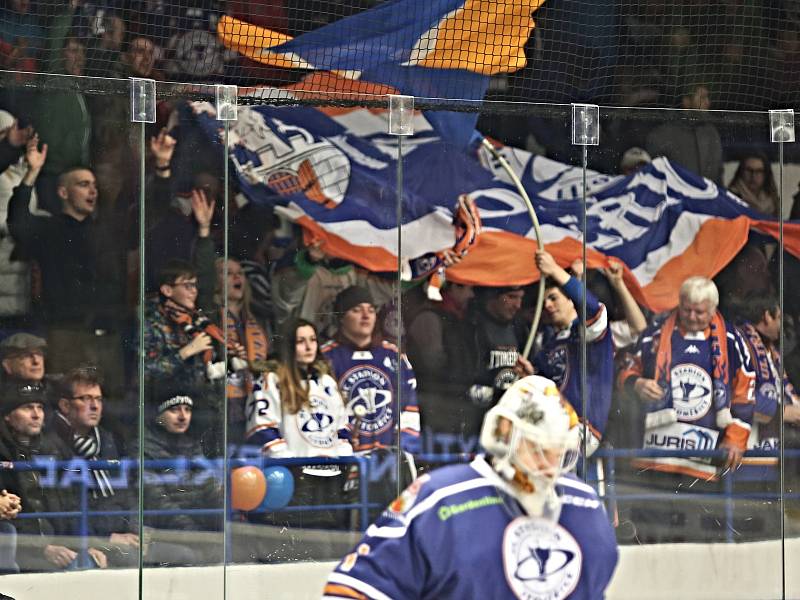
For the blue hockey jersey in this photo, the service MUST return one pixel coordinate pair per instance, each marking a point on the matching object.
(697, 412)
(458, 533)
(559, 360)
(367, 377)
(770, 377)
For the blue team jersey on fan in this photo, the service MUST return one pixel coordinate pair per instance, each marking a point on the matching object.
(559, 359)
(368, 378)
(457, 533)
(691, 388)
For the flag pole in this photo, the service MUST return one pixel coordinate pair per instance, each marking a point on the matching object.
(537, 231)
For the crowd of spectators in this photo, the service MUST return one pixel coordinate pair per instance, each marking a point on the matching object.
(294, 348)
(309, 372)
(641, 54)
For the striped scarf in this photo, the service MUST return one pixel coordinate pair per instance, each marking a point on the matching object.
(767, 361)
(88, 447)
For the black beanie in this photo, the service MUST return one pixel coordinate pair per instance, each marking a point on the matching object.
(350, 297)
(165, 394)
(15, 395)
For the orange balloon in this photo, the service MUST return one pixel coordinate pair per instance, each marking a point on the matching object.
(248, 487)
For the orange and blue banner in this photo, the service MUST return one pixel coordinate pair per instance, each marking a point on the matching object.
(334, 171)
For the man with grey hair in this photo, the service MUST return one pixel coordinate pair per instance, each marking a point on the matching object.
(694, 376)
(22, 358)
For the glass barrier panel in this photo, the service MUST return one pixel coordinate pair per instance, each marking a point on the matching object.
(691, 450)
(469, 322)
(786, 173)
(70, 184)
(294, 313)
(311, 276)
(187, 363)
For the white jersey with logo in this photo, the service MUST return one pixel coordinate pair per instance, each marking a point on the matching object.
(319, 428)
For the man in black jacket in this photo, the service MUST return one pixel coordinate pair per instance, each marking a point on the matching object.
(494, 350)
(81, 265)
(21, 439)
(439, 339)
(177, 487)
(78, 424)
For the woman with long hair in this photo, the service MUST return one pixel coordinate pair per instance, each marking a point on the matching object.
(754, 183)
(295, 410)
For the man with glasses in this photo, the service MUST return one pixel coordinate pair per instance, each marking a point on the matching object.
(178, 347)
(175, 347)
(78, 424)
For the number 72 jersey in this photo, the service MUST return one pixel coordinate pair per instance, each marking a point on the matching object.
(319, 428)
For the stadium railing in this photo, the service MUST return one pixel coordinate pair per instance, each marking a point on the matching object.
(601, 473)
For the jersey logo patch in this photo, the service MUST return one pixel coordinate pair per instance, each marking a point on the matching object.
(691, 391)
(371, 388)
(542, 560)
(768, 392)
(557, 365)
(692, 349)
(317, 425)
(405, 501)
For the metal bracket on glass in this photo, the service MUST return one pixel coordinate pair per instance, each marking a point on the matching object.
(143, 100)
(781, 125)
(227, 96)
(401, 114)
(585, 125)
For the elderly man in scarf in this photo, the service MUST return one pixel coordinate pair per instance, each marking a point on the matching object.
(693, 372)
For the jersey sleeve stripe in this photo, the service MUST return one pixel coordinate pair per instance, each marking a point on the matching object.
(358, 585)
(567, 482)
(427, 504)
(342, 591)
(257, 428)
(597, 325)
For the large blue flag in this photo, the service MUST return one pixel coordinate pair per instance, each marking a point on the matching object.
(334, 172)
(431, 49)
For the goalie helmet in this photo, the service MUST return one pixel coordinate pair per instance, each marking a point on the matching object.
(532, 437)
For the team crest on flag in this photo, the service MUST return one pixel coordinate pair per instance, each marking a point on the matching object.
(289, 159)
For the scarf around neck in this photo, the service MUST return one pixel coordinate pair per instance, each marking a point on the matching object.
(88, 446)
(767, 361)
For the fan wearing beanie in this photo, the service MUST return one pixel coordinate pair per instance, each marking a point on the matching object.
(22, 439)
(167, 435)
(367, 370)
(170, 407)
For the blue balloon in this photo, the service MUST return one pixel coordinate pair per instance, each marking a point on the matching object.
(280, 488)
